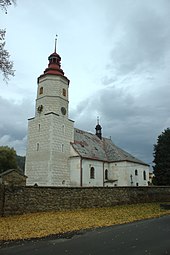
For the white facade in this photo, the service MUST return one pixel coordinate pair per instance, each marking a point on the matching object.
(59, 155)
(118, 173)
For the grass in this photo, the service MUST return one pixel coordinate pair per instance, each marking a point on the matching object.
(47, 223)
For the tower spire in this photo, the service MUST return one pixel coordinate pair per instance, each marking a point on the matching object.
(55, 47)
(97, 120)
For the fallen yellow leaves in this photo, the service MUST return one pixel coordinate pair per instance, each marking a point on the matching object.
(47, 223)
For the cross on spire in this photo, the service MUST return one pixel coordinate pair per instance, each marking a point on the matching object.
(55, 44)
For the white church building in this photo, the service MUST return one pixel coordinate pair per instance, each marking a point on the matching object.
(60, 155)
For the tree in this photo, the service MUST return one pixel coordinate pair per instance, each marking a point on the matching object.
(4, 4)
(162, 159)
(6, 66)
(21, 163)
(7, 158)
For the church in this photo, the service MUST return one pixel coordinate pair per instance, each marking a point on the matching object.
(58, 154)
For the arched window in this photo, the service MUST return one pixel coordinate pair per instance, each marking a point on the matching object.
(92, 173)
(136, 172)
(64, 92)
(144, 175)
(137, 184)
(106, 174)
(41, 91)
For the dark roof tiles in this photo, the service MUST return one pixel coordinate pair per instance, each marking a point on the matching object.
(90, 146)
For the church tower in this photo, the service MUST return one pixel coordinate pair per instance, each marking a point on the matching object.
(50, 132)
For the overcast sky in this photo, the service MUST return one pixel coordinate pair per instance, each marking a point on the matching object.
(116, 55)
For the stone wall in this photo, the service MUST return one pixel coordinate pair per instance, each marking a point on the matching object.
(19, 200)
(1, 199)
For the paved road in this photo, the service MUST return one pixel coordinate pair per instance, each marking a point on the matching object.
(149, 237)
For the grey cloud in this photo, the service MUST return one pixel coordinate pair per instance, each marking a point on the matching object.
(133, 121)
(13, 126)
(143, 38)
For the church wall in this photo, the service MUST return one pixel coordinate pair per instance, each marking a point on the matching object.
(60, 147)
(52, 90)
(98, 175)
(48, 165)
(75, 168)
(38, 148)
(110, 182)
(124, 172)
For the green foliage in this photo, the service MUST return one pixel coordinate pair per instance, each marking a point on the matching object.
(7, 158)
(21, 163)
(162, 159)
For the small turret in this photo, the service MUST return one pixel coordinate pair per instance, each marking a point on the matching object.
(98, 129)
(54, 65)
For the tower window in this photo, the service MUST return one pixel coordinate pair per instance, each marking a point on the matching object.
(106, 174)
(63, 129)
(92, 173)
(41, 91)
(144, 175)
(64, 92)
(39, 127)
(136, 172)
(62, 147)
(38, 146)
(54, 60)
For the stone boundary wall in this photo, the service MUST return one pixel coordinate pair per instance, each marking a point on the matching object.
(20, 200)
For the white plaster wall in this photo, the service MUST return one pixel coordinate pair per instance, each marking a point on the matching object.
(109, 182)
(49, 165)
(36, 167)
(122, 171)
(75, 171)
(60, 147)
(52, 98)
(98, 166)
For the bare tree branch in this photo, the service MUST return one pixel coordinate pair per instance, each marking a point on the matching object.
(6, 66)
(4, 4)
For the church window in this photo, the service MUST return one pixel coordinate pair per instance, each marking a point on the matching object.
(38, 146)
(106, 174)
(136, 172)
(62, 147)
(39, 127)
(137, 184)
(92, 173)
(64, 92)
(144, 175)
(41, 90)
